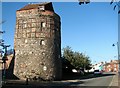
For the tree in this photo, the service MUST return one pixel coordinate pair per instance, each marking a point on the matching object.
(78, 60)
(117, 4)
(4, 46)
(1, 40)
(68, 54)
(3, 50)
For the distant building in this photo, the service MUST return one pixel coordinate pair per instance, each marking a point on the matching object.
(98, 66)
(10, 54)
(112, 66)
(37, 43)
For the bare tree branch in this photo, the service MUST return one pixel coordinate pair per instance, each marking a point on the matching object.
(111, 2)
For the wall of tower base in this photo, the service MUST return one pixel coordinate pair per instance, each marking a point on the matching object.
(37, 62)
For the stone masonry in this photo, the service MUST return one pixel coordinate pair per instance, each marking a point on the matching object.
(37, 43)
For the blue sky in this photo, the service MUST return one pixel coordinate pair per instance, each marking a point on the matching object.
(91, 28)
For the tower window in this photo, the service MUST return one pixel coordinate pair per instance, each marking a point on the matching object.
(41, 8)
(43, 24)
(24, 25)
(42, 42)
(43, 53)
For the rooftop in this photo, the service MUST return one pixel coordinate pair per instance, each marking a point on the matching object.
(48, 6)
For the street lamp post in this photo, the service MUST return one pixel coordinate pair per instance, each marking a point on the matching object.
(118, 56)
(118, 64)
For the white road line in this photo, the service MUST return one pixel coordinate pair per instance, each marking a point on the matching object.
(111, 82)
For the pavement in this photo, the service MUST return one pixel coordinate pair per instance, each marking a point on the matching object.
(114, 82)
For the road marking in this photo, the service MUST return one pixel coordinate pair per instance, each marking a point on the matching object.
(111, 82)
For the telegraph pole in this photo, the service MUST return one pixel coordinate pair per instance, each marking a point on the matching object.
(118, 43)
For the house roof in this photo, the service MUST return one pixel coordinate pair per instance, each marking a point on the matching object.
(111, 63)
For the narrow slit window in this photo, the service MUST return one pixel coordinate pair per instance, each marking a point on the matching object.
(42, 42)
(43, 24)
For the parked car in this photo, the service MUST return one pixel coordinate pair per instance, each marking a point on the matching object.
(97, 72)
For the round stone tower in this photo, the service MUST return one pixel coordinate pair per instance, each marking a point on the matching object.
(37, 43)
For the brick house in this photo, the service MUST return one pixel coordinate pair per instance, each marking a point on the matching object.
(112, 66)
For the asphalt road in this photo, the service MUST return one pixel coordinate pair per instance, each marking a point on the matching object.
(96, 81)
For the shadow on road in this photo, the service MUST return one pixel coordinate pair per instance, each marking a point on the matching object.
(86, 76)
(96, 76)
